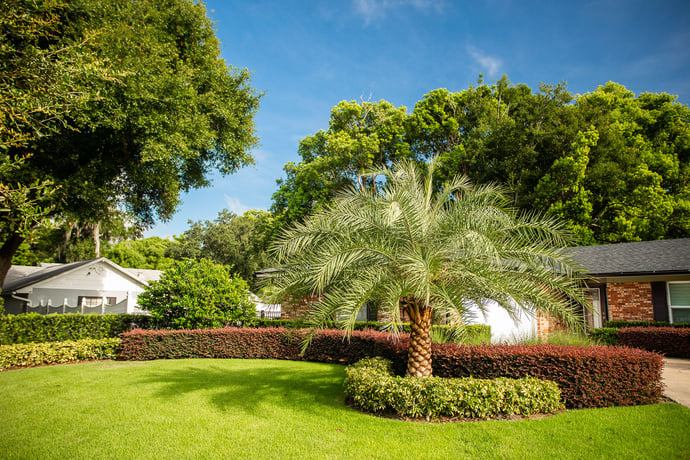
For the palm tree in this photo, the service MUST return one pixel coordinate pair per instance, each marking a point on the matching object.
(426, 252)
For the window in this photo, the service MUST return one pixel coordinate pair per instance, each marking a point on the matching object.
(90, 301)
(679, 301)
(111, 300)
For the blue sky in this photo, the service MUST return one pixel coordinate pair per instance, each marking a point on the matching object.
(308, 56)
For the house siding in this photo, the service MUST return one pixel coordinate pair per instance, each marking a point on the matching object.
(630, 301)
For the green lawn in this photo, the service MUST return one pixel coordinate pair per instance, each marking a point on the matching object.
(281, 409)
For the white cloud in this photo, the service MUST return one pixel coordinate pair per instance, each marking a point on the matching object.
(376, 9)
(488, 64)
(235, 205)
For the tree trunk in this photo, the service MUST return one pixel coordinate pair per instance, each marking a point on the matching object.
(97, 239)
(419, 351)
(7, 251)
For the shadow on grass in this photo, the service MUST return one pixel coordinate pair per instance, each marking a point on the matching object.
(253, 387)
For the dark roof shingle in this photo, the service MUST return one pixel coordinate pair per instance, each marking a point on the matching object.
(644, 257)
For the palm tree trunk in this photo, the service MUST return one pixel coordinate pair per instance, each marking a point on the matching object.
(419, 351)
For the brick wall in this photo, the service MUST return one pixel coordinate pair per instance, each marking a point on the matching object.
(294, 309)
(630, 301)
(547, 324)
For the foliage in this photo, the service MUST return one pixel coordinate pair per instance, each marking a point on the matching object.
(146, 253)
(474, 334)
(671, 342)
(604, 335)
(237, 241)
(614, 165)
(167, 111)
(361, 136)
(36, 354)
(593, 376)
(413, 250)
(371, 386)
(588, 376)
(619, 324)
(196, 294)
(557, 337)
(33, 327)
(22, 205)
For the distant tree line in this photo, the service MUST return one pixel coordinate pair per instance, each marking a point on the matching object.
(613, 165)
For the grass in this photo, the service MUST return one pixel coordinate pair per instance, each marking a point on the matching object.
(282, 409)
(558, 337)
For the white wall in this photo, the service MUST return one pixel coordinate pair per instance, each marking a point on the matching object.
(98, 280)
(503, 327)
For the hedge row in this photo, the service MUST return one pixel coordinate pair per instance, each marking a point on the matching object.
(33, 327)
(671, 342)
(604, 335)
(371, 386)
(619, 324)
(36, 354)
(472, 332)
(587, 376)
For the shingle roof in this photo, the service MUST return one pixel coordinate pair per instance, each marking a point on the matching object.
(644, 257)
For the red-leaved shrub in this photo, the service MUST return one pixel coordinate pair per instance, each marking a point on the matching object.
(671, 342)
(587, 376)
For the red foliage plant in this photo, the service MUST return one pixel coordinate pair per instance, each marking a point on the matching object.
(587, 376)
(669, 341)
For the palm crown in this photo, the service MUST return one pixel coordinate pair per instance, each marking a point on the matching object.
(410, 247)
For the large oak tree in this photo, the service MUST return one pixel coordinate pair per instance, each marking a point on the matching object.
(166, 112)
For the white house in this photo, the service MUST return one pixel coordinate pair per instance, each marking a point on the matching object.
(88, 286)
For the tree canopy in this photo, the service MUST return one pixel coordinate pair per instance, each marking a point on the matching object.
(614, 165)
(237, 241)
(165, 111)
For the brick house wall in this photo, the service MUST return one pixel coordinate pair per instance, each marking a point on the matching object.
(546, 325)
(296, 309)
(630, 301)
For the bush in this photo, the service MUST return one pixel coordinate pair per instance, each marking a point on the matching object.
(198, 294)
(587, 376)
(604, 335)
(471, 333)
(36, 354)
(371, 386)
(596, 376)
(32, 327)
(620, 324)
(672, 342)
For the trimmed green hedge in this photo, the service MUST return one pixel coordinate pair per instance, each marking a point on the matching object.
(36, 354)
(604, 335)
(371, 386)
(33, 327)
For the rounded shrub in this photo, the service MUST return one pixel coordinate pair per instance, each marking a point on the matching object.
(198, 294)
(371, 386)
